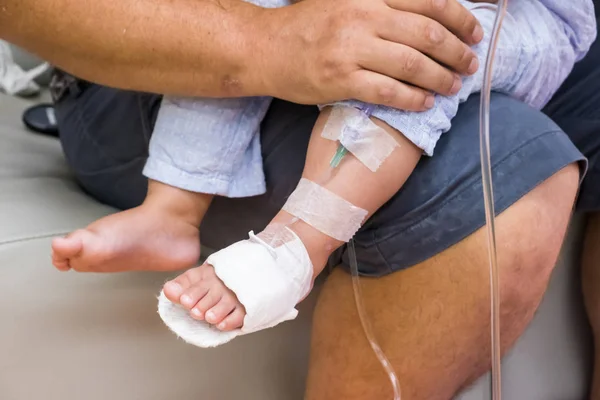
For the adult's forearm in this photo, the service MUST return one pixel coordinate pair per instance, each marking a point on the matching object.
(311, 52)
(185, 47)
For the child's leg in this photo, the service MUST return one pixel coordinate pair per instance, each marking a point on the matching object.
(204, 147)
(199, 148)
(200, 291)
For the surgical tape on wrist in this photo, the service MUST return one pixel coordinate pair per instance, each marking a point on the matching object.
(325, 211)
(268, 280)
(369, 143)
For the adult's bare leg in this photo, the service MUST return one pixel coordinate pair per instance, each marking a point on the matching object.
(432, 320)
(576, 109)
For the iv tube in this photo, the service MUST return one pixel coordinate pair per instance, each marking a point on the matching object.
(486, 179)
(358, 298)
(488, 195)
(366, 324)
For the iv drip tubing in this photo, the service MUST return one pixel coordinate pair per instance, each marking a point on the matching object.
(362, 312)
(366, 324)
(488, 194)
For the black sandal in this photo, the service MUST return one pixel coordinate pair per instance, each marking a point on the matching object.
(41, 119)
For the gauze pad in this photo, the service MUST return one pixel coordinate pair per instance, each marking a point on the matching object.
(325, 211)
(268, 281)
(369, 143)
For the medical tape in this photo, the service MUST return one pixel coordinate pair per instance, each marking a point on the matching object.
(325, 211)
(277, 234)
(369, 143)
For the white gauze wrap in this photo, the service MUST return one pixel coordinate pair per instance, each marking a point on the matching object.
(369, 143)
(325, 211)
(268, 281)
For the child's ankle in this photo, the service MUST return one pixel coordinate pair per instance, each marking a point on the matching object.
(179, 203)
(318, 245)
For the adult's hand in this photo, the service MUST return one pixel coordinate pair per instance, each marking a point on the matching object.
(390, 52)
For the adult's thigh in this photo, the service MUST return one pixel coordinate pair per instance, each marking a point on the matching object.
(432, 320)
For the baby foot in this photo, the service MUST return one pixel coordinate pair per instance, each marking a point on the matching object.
(206, 297)
(160, 235)
(144, 238)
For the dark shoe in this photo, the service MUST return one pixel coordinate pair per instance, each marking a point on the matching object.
(41, 119)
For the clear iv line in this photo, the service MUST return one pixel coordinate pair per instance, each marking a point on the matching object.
(488, 195)
(366, 324)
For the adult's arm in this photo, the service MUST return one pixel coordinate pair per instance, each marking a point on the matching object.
(311, 52)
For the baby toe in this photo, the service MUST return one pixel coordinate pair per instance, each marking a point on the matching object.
(176, 287)
(233, 321)
(220, 310)
(211, 299)
(193, 295)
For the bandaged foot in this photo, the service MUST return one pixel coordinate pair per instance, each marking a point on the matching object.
(256, 283)
(249, 286)
(156, 236)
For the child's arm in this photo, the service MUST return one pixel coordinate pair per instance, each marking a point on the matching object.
(540, 42)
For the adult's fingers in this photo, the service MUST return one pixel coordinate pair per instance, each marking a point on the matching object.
(429, 37)
(371, 87)
(410, 66)
(449, 13)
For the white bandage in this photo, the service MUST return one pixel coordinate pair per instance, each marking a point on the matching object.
(369, 143)
(268, 281)
(325, 211)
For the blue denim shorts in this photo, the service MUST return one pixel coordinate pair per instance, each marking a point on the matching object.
(105, 135)
(439, 205)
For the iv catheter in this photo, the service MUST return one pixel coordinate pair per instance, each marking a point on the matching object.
(486, 179)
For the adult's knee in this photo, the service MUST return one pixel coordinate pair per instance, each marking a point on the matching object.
(532, 232)
(104, 135)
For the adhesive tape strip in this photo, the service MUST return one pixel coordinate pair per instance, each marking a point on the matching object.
(325, 211)
(369, 143)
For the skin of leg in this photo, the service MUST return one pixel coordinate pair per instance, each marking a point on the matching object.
(433, 320)
(350, 181)
(590, 282)
(160, 235)
(201, 292)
